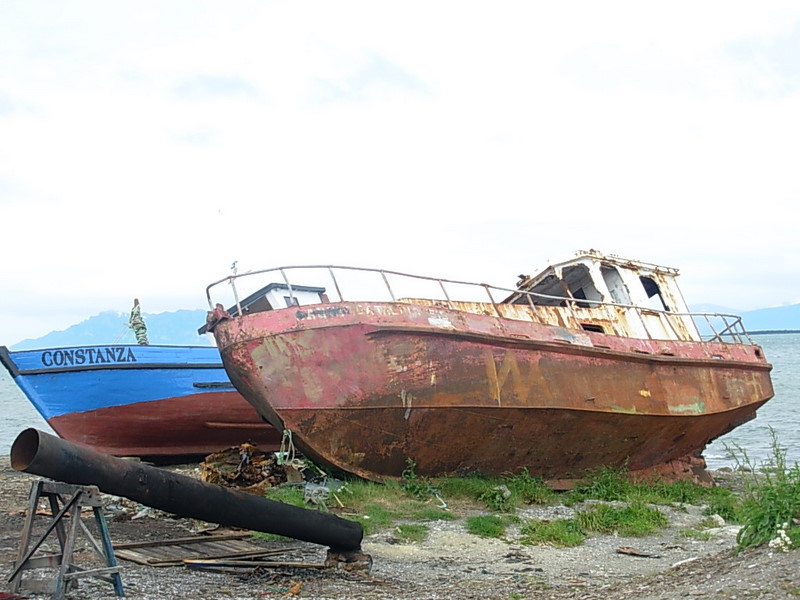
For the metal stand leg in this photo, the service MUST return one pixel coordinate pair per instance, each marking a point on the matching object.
(67, 572)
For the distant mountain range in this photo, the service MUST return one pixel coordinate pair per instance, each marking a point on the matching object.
(180, 327)
(781, 318)
(168, 328)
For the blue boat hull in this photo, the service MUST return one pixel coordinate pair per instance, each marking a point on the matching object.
(136, 400)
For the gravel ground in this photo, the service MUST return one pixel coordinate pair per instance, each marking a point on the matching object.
(450, 563)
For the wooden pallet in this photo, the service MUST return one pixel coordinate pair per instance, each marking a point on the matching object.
(171, 553)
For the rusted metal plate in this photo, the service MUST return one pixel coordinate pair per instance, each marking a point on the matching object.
(367, 386)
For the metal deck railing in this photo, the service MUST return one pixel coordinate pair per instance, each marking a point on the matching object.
(709, 326)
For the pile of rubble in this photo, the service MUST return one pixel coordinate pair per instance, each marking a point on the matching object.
(247, 468)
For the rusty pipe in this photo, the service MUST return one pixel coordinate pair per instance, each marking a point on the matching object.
(42, 454)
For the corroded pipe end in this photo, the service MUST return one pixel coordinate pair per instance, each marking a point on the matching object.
(24, 449)
(349, 560)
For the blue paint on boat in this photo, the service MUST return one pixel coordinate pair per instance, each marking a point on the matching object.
(59, 381)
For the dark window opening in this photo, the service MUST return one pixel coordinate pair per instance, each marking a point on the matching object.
(579, 294)
(592, 327)
(290, 301)
(654, 292)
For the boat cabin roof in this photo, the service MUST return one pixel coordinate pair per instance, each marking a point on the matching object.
(275, 295)
(595, 277)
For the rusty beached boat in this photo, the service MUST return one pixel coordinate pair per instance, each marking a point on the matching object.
(596, 361)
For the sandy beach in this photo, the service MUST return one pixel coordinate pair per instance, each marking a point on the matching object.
(450, 563)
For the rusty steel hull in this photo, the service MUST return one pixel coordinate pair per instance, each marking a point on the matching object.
(366, 387)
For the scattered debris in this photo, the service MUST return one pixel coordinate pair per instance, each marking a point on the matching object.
(634, 552)
(244, 467)
(349, 561)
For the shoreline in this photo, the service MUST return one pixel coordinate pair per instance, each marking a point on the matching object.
(449, 563)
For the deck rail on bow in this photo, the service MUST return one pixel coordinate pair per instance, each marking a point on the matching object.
(719, 327)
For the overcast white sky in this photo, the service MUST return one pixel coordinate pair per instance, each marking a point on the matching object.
(146, 146)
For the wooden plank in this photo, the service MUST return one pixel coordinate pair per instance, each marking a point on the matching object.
(186, 540)
(248, 564)
(175, 552)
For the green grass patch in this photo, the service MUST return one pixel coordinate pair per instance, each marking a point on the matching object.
(771, 506)
(527, 489)
(379, 506)
(561, 533)
(635, 520)
(724, 503)
(408, 532)
(433, 514)
(768, 508)
(493, 526)
(696, 534)
(374, 518)
(414, 485)
(498, 494)
(465, 488)
(615, 485)
(289, 494)
(602, 484)
(631, 520)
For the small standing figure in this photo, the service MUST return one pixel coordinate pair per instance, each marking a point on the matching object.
(137, 324)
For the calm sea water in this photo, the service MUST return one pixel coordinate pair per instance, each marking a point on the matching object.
(17, 413)
(781, 414)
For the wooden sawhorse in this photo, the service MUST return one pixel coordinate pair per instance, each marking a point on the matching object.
(65, 502)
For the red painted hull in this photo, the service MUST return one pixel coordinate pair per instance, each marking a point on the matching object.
(367, 386)
(196, 424)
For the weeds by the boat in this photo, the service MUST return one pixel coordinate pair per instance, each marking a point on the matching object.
(414, 485)
(769, 505)
(635, 520)
(380, 506)
(499, 494)
(288, 494)
(374, 518)
(561, 533)
(771, 500)
(408, 532)
(465, 488)
(494, 526)
(696, 534)
(615, 485)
